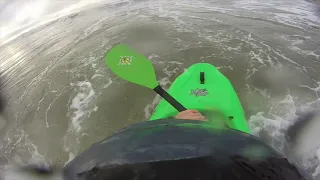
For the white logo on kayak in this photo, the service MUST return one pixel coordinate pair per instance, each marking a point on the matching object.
(199, 92)
(125, 60)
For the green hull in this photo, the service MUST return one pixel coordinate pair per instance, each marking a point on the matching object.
(214, 97)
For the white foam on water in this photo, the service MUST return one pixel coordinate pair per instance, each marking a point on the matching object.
(172, 72)
(36, 156)
(81, 106)
(97, 75)
(316, 89)
(277, 119)
(302, 11)
(274, 122)
(222, 67)
(81, 102)
(259, 122)
(71, 157)
(95, 27)
(293, 13)
(21, 140)
(237, 48)
(108, 84)
(295, 41)
(153, 56)
(308, 145)
(251, 72)
(305, 52)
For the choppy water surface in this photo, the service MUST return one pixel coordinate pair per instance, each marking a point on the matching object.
(62, 98)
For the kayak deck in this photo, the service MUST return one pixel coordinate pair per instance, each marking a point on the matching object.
(205, 88)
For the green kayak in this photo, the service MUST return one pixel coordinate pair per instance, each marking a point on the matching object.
(205, 88)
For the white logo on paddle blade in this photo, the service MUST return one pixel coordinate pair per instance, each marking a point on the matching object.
(125, 60)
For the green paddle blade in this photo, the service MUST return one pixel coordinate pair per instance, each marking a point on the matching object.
(131, 66)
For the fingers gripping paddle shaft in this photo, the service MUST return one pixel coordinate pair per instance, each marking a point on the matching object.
(135, 68)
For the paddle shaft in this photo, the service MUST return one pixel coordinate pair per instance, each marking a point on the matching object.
(169, 98)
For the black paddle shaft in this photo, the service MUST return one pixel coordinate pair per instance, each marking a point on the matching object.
(169, 98)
